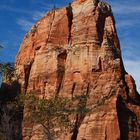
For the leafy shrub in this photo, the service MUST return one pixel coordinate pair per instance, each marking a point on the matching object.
(7, 71)
(55, 112)
(105, 7)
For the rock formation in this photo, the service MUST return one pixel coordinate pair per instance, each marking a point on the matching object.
(75, 50)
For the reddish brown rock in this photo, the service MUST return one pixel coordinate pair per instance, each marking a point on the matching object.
(75, 50)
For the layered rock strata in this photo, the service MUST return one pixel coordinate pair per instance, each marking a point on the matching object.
(75, 50)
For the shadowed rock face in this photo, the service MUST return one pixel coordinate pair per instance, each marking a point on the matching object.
(75, 50)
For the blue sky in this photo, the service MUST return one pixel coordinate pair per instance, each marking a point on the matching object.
(17, 16)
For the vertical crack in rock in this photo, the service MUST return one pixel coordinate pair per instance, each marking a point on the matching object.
(80, 115)
(128, 121)
(105, 11)
(100, 28)
(73, 88)
(119, 104)
(61, 59)
(75, 129)
(70, 18)
(78, 122)
(51, 24)
(100, 64)
(106, 133)
(126, 89)
(88, 88)
(27, 69)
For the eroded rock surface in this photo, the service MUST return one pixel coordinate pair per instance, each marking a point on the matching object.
(75, 50)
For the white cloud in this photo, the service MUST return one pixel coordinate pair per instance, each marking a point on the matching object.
(1, 46)
(4, 44)
(37, 15)
(50, 5)
(133, 68)
(126, 13)
(25, 24)
(14, 9)
(127, 23)
(125, 7)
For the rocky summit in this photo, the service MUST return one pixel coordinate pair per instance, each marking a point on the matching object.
(75, 50)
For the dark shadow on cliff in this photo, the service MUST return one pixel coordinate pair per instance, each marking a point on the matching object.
(27, 69)
(8, 92)
(70, 18)
(128, 122)
(83, 110)
(61, 59)
(131, 98)
(11, 116)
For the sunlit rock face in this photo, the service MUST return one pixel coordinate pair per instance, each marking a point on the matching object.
(73, 51)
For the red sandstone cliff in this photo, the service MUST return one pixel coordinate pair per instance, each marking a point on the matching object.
(75, 50)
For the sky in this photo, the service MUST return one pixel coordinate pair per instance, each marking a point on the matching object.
(17, 17)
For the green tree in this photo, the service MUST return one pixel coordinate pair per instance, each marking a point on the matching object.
(7, 71)
(50, 113)
(55, 114)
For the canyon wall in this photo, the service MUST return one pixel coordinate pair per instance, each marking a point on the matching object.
(74, 51)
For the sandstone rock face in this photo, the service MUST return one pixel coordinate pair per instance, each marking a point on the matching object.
(75, 50)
